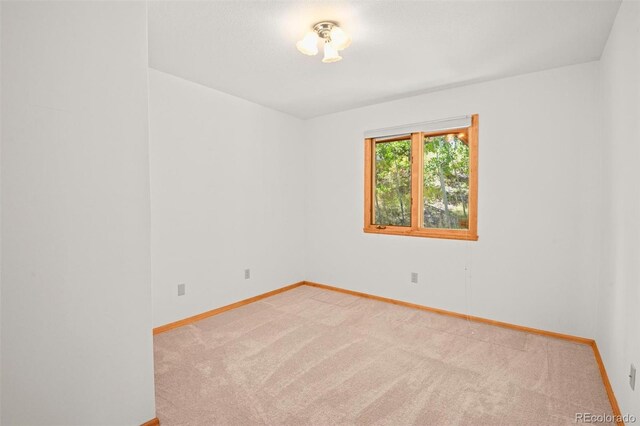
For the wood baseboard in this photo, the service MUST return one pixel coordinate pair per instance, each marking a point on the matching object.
(217, 311)
(152, 422)
(603, 372)
(605, 379)
(584, 340)
(607, 385)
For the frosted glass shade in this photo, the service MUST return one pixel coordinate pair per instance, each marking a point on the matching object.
(339, 39)
(309, 44)
(330, 54)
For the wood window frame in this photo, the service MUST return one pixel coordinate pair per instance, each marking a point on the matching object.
(417, 216)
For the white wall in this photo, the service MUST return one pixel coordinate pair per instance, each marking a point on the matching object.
(226, 195)
(539, 190)
(618, 334)
(0, 212)
(76, 291)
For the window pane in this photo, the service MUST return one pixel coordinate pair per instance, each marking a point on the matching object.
(392, 192)
(446, 182)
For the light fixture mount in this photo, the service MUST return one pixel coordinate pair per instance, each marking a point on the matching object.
(323, 29)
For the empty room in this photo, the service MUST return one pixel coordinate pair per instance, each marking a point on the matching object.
(319, 213)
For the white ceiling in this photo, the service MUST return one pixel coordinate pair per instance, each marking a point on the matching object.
(248, 49)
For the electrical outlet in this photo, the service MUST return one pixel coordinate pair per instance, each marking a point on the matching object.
(247, 274)
(414, 277)
(632, 377)
(181, 289)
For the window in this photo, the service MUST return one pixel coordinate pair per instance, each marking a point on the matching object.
(393, 182)
(423, 183)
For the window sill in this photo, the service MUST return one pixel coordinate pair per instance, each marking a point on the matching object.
(449, 234)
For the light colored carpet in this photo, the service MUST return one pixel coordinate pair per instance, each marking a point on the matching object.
(316, 357)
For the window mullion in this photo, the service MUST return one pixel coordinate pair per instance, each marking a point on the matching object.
(416, 179)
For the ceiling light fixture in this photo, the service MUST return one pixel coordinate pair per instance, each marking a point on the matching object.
(334, 39)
